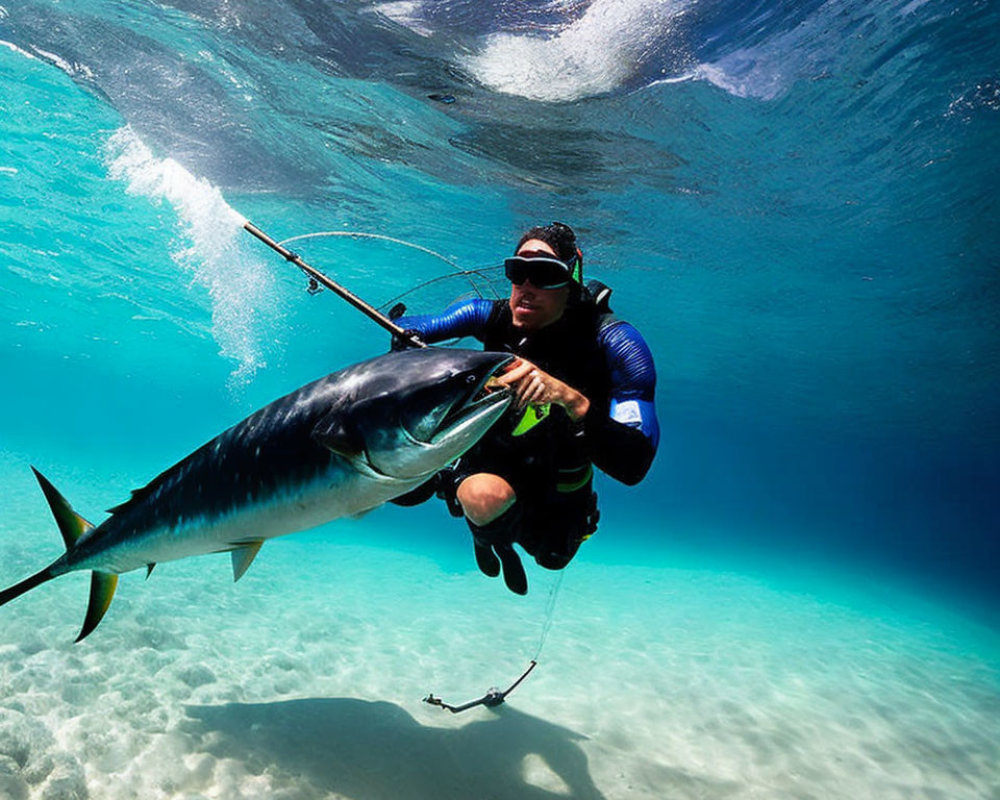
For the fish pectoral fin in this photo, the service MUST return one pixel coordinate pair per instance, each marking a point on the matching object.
(243, 557)
(102, 589)
(149, 569)
(335, 434)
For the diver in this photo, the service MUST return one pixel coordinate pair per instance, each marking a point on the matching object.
(583, 386)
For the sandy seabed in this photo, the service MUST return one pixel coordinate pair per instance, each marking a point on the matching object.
(305, 680)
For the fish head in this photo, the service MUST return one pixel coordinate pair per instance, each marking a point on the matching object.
(413, 412)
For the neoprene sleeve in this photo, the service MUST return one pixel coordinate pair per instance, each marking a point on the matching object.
(623, 443)
(464, 318)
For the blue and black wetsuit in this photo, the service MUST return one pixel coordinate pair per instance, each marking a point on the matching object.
(550, 466)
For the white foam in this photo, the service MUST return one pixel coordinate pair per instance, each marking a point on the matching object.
(73, 69)
(593, 55)
(238, 283)
(746, 74)
(14, 47)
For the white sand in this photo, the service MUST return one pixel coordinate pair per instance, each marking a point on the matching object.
(305, 681)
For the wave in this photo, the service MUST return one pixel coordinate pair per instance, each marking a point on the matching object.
(239, 284)
(597, 53)
(567, 50)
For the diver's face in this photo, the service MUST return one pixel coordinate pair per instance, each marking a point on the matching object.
(534, 308)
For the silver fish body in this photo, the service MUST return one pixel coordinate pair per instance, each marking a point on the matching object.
(336, 447)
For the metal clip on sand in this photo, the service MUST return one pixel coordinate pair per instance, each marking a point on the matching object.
(491, 699)
(316, 278)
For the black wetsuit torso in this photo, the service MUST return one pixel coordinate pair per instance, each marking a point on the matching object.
(553, 453)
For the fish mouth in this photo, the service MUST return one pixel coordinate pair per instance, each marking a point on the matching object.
(434, 425)
(483, 398)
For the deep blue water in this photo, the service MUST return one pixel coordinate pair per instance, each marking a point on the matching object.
(795, 202)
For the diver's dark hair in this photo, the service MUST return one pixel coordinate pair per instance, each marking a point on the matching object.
(558, 236)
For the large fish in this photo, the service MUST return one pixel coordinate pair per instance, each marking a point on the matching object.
(336, 447)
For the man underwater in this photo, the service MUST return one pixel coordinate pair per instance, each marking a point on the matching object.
(584, 382)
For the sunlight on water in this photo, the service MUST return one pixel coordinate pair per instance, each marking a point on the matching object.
(595, 54)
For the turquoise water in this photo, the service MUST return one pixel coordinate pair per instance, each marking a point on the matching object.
(793, 201)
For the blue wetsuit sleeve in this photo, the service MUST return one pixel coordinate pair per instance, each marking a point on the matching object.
(623, 437)
(464, 318)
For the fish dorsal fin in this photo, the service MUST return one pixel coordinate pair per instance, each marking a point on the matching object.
(71, 525)
(149, 569)
(102, 589)
(334, 433)
(243, 557)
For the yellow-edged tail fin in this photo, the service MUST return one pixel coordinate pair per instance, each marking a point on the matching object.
(72, 526)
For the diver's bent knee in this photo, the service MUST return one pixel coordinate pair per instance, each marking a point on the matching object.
(484, 497)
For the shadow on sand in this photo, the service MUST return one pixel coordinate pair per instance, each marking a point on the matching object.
(377, 751)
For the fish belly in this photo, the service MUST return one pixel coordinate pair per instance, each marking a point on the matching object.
(197, 534)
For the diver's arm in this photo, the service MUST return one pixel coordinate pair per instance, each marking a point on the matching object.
(464, 318)
(623, 441)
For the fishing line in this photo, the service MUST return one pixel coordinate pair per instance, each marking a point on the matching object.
(316, 277)
(466, 273)
(494, 697)
(550, 610)
(470, 274)
(361, 235)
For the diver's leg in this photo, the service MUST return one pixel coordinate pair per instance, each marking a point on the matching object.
(484, 497)
(565, 523)
(494, 517)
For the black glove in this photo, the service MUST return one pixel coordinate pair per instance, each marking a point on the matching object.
(401, 343)
(494, 547)
(489, 563)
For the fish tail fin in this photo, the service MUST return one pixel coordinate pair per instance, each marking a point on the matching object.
(72, 526)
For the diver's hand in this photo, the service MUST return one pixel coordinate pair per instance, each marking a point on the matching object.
(534, 386)
(399, 343)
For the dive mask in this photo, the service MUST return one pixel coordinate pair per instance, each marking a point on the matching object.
(544, 270)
